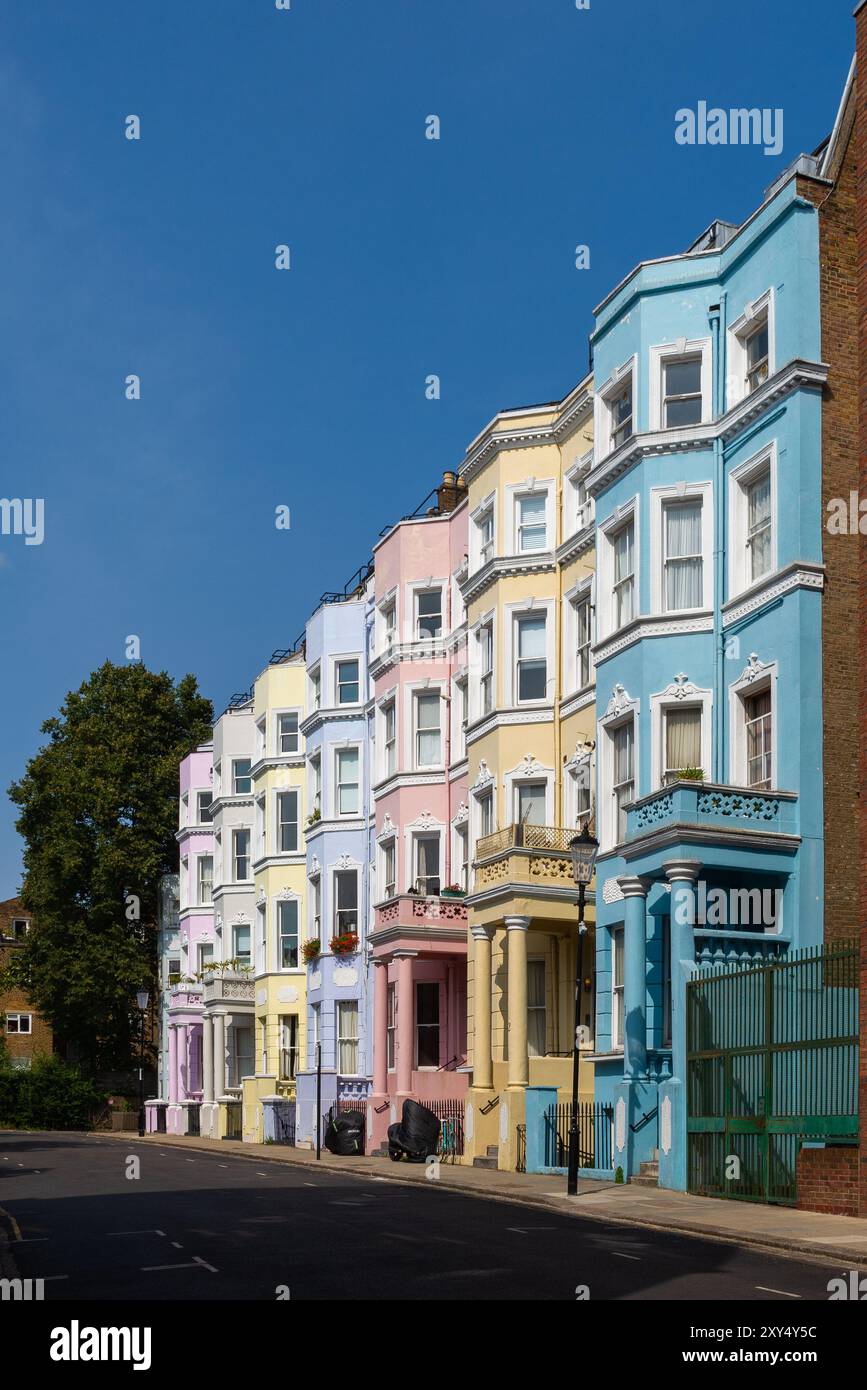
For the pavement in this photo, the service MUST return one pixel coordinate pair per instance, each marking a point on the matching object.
(104, 1217)
(750, 1224)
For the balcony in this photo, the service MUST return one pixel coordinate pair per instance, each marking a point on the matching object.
(434, 925)
(709, 809)
(231, 987)
(535, 856)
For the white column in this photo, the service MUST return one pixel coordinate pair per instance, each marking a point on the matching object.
(207, 1059)
(516, 978)
(219, 1054)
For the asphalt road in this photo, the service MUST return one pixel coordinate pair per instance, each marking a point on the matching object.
(218, 1226)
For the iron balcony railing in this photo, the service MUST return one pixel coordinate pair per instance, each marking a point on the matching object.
(595, 1127)
(532, 837)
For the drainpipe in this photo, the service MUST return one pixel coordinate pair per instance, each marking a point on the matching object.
(717, 316)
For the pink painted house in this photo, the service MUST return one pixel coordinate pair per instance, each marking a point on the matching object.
(419, 937)
(196, 937)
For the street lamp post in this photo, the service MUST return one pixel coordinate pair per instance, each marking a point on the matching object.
(583, 849)
(142, 1001)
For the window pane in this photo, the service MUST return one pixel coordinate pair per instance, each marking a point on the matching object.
(683, 560)
(428, 863)
(347, 682)
(288, 924)
(347, 781)
(287, 822)
(683, 378)
(241, 774)
(531, 803)
(288, 733)
(682, 740)
(429, 613)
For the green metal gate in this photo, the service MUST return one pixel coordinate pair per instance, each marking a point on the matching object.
(772, 1060)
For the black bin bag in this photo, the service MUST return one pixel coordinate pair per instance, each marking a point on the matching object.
(417, 1135)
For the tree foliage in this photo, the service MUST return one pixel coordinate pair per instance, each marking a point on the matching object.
(98, 814)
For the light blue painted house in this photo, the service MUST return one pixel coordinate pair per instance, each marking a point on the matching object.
(338, 736)
(707, 481)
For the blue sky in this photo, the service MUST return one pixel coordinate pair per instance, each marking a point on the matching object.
(409, 257)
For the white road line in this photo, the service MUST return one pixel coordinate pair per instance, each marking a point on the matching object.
(149, 1232)
(782, 1292)
(222, 1165)
(199, 1261)
(620, 1255)
(160, 1233)
(150, 1269)
(525, 1230)
(262, 1175)
(177, 1245)
(30, 1240)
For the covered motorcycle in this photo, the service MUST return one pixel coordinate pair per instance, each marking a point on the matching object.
(345, 1133)
(417, 1135)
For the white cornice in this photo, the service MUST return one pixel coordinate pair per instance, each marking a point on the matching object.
(501, 566)
(408, 779)
(578, 702)
(662, 625)
(494, 440)
(576, 545)
(799, 575)
(796, 375)
(504, 719)
(322, 716)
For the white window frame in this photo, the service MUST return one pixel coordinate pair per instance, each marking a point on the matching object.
(518, 777)
(660, 498)
(18, 1031)
(607, 533)
(618, 990)
(387, 631)
(669, 699)
(314, 898)
(243, 776)
(753, 682)
(236, 831)
(260, 829)
(280, 715)
(390, 885)
(514, 612)
(758, 311)
(433, 832)
(606, 395)
(484, 687)
(480, 796)
(314, 683)
(200, 792)
(578, 779)
(606, 814)
(740, 479)
(459, 713)
(335, 925)
(661, 355)
(338, 750)
(279, 903)
(481, 552)
(515, 494)
(341, 1039)
(577, 514)
(200, 901)
(461, 861)
(336, 663)
(579, 594)
(430, 693)
(236, 928)
(387, 709)
(292, 792)
(429, 984)
(315, 784)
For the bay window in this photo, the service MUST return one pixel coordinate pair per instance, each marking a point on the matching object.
(427, 1024)
(682, 742)
(287, 934)
(623, 779)
(347, 682)
(532, 531)
(428, 614)
(758, 504)
(287, 822)
(345, 901)
(287, 733)
(204, 879)
(758, 726)
(347, 1037)
(682, 397)
(531, 800)
(623, 544)
(426, 849)
(240, 855)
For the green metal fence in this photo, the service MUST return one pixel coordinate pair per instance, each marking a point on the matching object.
(772, 1060)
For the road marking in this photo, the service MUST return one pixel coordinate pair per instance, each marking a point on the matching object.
(782, 1292)
(261, 1175)
(177, 1245)
(315, 1184)
(199, 1261)
(48, 1277)
(30, 1240)
(160, 1233)
(525, 1230)
(150, 1269)
(620, 1255)
(222, 1165)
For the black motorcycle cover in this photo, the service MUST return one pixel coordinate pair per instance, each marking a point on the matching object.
(345, 1133)
(419, 1129)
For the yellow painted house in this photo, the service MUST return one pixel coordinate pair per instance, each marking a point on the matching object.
(280, 976)
(528, 590)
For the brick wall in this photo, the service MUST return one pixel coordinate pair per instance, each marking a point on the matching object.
(861, 154)
(838, 283)
(828, 1180)
(39, 1040)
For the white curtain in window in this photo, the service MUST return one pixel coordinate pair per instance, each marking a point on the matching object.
(759, 522)
(428, 713)
(682, 739)
(536, 1017)
(683, 556)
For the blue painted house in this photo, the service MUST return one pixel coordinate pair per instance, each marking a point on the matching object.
(338, 738)
(707, 480)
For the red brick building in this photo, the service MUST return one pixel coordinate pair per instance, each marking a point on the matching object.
(27, 1034)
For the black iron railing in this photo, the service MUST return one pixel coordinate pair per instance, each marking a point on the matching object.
(595, 1123)
(233, 1119)
(194, 1121)
(521, 1160)
(161, 1119)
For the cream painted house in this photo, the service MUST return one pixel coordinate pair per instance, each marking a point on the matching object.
(528, 591)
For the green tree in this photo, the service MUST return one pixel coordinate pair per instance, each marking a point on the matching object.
(98, 814)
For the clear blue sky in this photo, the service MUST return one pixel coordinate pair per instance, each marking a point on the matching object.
(409, 257)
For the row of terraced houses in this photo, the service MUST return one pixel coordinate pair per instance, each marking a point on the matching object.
(625, 608)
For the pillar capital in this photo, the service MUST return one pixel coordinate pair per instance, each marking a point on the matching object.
(682, 870)
(632, 887)
(480, 933)
(517, 923)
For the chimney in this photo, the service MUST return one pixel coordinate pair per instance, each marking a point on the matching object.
(451, 491)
